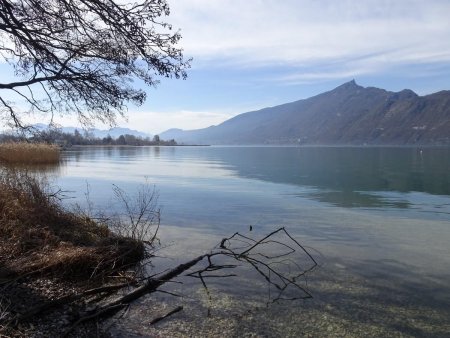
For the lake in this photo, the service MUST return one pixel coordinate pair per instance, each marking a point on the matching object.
(377, 219)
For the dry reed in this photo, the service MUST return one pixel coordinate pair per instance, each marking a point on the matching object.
(37, 234)
(29, 153)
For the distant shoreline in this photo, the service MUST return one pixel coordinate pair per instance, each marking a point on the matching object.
(138, 146)
(319, 145)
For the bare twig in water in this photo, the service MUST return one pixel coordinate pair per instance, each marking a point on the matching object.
(270, 257)
(141, 211)
(158, 319)
(273, 257)
(274, 272)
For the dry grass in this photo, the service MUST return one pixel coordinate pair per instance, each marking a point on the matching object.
(29, 153)
(37, 234)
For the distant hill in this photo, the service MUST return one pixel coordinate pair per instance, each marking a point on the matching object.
(99, 133)
(349, 114)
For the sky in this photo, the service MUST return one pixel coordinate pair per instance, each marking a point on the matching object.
(252, 54)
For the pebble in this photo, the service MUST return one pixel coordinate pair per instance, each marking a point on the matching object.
(28, 293)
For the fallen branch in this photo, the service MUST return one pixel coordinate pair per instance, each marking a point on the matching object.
(245, 254)
(158, 319)
(151, 285)
(272, 257)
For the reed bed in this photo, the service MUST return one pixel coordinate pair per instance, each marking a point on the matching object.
(29, 153)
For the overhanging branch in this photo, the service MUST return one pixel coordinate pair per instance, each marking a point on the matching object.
(87, 53)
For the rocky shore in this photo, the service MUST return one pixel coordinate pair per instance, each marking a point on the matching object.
(20, 296)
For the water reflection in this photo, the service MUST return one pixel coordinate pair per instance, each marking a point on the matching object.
(352, 199)
(39, 170)
(402, 197)
(348, 177)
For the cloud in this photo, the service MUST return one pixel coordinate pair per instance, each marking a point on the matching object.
(300, 32)
(151, 122)
(157, 122)
(254, 53)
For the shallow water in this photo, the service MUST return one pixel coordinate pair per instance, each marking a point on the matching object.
(377, 220)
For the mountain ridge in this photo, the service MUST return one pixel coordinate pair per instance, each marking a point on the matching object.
(114, 132)
(348, 115)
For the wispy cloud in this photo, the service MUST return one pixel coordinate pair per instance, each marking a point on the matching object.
(300, 32)
(255, 53)
(156, 122)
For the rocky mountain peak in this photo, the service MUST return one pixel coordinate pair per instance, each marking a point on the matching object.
(349, 86)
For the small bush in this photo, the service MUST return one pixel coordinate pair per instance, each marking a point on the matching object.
(142, 216)
(29, 153)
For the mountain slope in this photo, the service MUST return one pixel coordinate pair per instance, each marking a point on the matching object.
(348, 114)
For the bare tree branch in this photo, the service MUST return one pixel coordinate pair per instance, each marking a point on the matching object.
(86, 54)
(277, 258)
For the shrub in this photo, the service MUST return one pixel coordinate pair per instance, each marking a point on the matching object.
(38, 234)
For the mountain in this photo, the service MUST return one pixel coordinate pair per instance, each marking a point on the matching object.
(117, 131)
(98, 133)
(349, 114)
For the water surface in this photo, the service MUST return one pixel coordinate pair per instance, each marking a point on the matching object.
(376, 218)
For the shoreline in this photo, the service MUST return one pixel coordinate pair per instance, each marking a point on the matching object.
(52, 260)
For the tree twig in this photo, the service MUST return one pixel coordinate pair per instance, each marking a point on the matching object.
(158, 319)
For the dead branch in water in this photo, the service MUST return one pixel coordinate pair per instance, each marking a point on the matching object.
(277, 267)
(276, 264)
(274, 257)
(158, 319)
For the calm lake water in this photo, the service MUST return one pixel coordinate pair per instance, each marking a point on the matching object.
(377, 220)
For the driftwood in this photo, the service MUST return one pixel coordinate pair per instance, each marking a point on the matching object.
(69, 299)
(272, 257)
(158, 319)
(275, 264)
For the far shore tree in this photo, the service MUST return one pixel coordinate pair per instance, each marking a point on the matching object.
(156, 139)
(90, 58)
